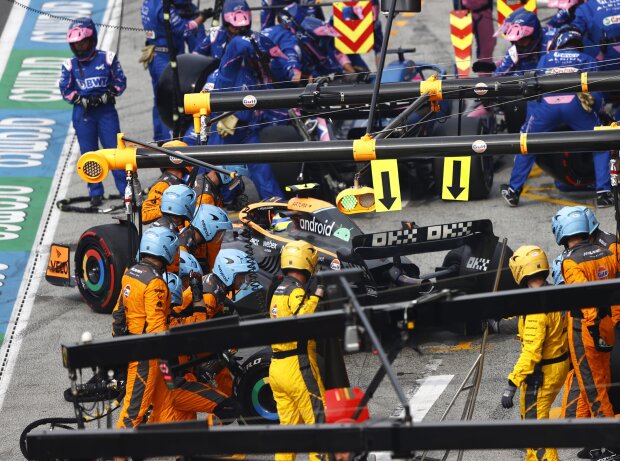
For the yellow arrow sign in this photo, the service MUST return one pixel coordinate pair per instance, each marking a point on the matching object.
(386, 185)
(456, 178)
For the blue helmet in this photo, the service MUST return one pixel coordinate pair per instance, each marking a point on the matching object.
(188, 264)
(209, 220)
(245, 290)
(160, 242)
(176, 289)
(241, 170)
(593, 223)
(82, 29)
(569, 221)
(556, 270)
(566, 37)
(236, 13)
(520, 24)
(293, 15)
(179, 200)
(230, 262)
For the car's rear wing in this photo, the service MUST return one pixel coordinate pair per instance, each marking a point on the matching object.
(411, 239)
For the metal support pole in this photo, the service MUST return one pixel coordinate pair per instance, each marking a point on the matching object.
(377, 345)
(476, 369)
(375, 92)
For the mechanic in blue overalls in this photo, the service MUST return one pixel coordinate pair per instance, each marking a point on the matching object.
(155, 54)
(91, 80)
(249, 61)
(578, 111)
(269, 14)
(599, 22)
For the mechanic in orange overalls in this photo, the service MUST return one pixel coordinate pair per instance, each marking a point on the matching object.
(143, 307)
(207, 386)
(543, 364)
(169, 177)
(590, 332)
(203, 237)
(294, 373)
(212, 187)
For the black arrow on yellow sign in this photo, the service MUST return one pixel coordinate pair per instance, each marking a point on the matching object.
(387, 199)
(456, 189)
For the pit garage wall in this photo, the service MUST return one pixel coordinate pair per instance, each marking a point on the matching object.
(34, 121)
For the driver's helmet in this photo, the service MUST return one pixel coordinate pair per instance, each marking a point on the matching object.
(231, 262)
(209, 220)
(279, 223)
(299, 255)
(556, 270)
(569, 221)
(527, 261)
(237, 14)
(83, 29)
(188, 264)
(566, 37)
(159, 242)
(176, 289)
(241, 170)
(179, 200)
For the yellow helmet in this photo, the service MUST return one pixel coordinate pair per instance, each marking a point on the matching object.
(174, 143)
(528, 260)
(299, 255)
(177, 143)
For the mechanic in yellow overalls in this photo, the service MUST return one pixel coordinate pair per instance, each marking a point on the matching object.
(294, 373)
(543, 364)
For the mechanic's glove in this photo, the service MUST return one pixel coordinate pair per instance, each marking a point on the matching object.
(226, 126)
(599, 343)
(586, 100)
(508, 395)
(206, 13)
(108, 97)
(296, 75)
(319, 292)
(148, 53)
(195, 282)
(94, 101)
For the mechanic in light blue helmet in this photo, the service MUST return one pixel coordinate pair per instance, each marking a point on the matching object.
(143, 307)
(188, 267)
(178, 204)
(203, 237)
(208, 389)
(176, 289)
(556, 269)
(590, 331)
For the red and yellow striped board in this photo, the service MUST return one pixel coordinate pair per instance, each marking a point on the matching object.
(505, 7)
(357, 35)
(462, 36)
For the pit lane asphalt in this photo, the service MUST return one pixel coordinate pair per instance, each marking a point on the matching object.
(59, 315)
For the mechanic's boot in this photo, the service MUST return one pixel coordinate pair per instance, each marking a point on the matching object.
(510, 195)
(589, 453)
(604, 199)
(96, 201)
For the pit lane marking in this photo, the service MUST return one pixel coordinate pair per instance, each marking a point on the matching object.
(542, 198)
(427, 394)
(461, 346)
